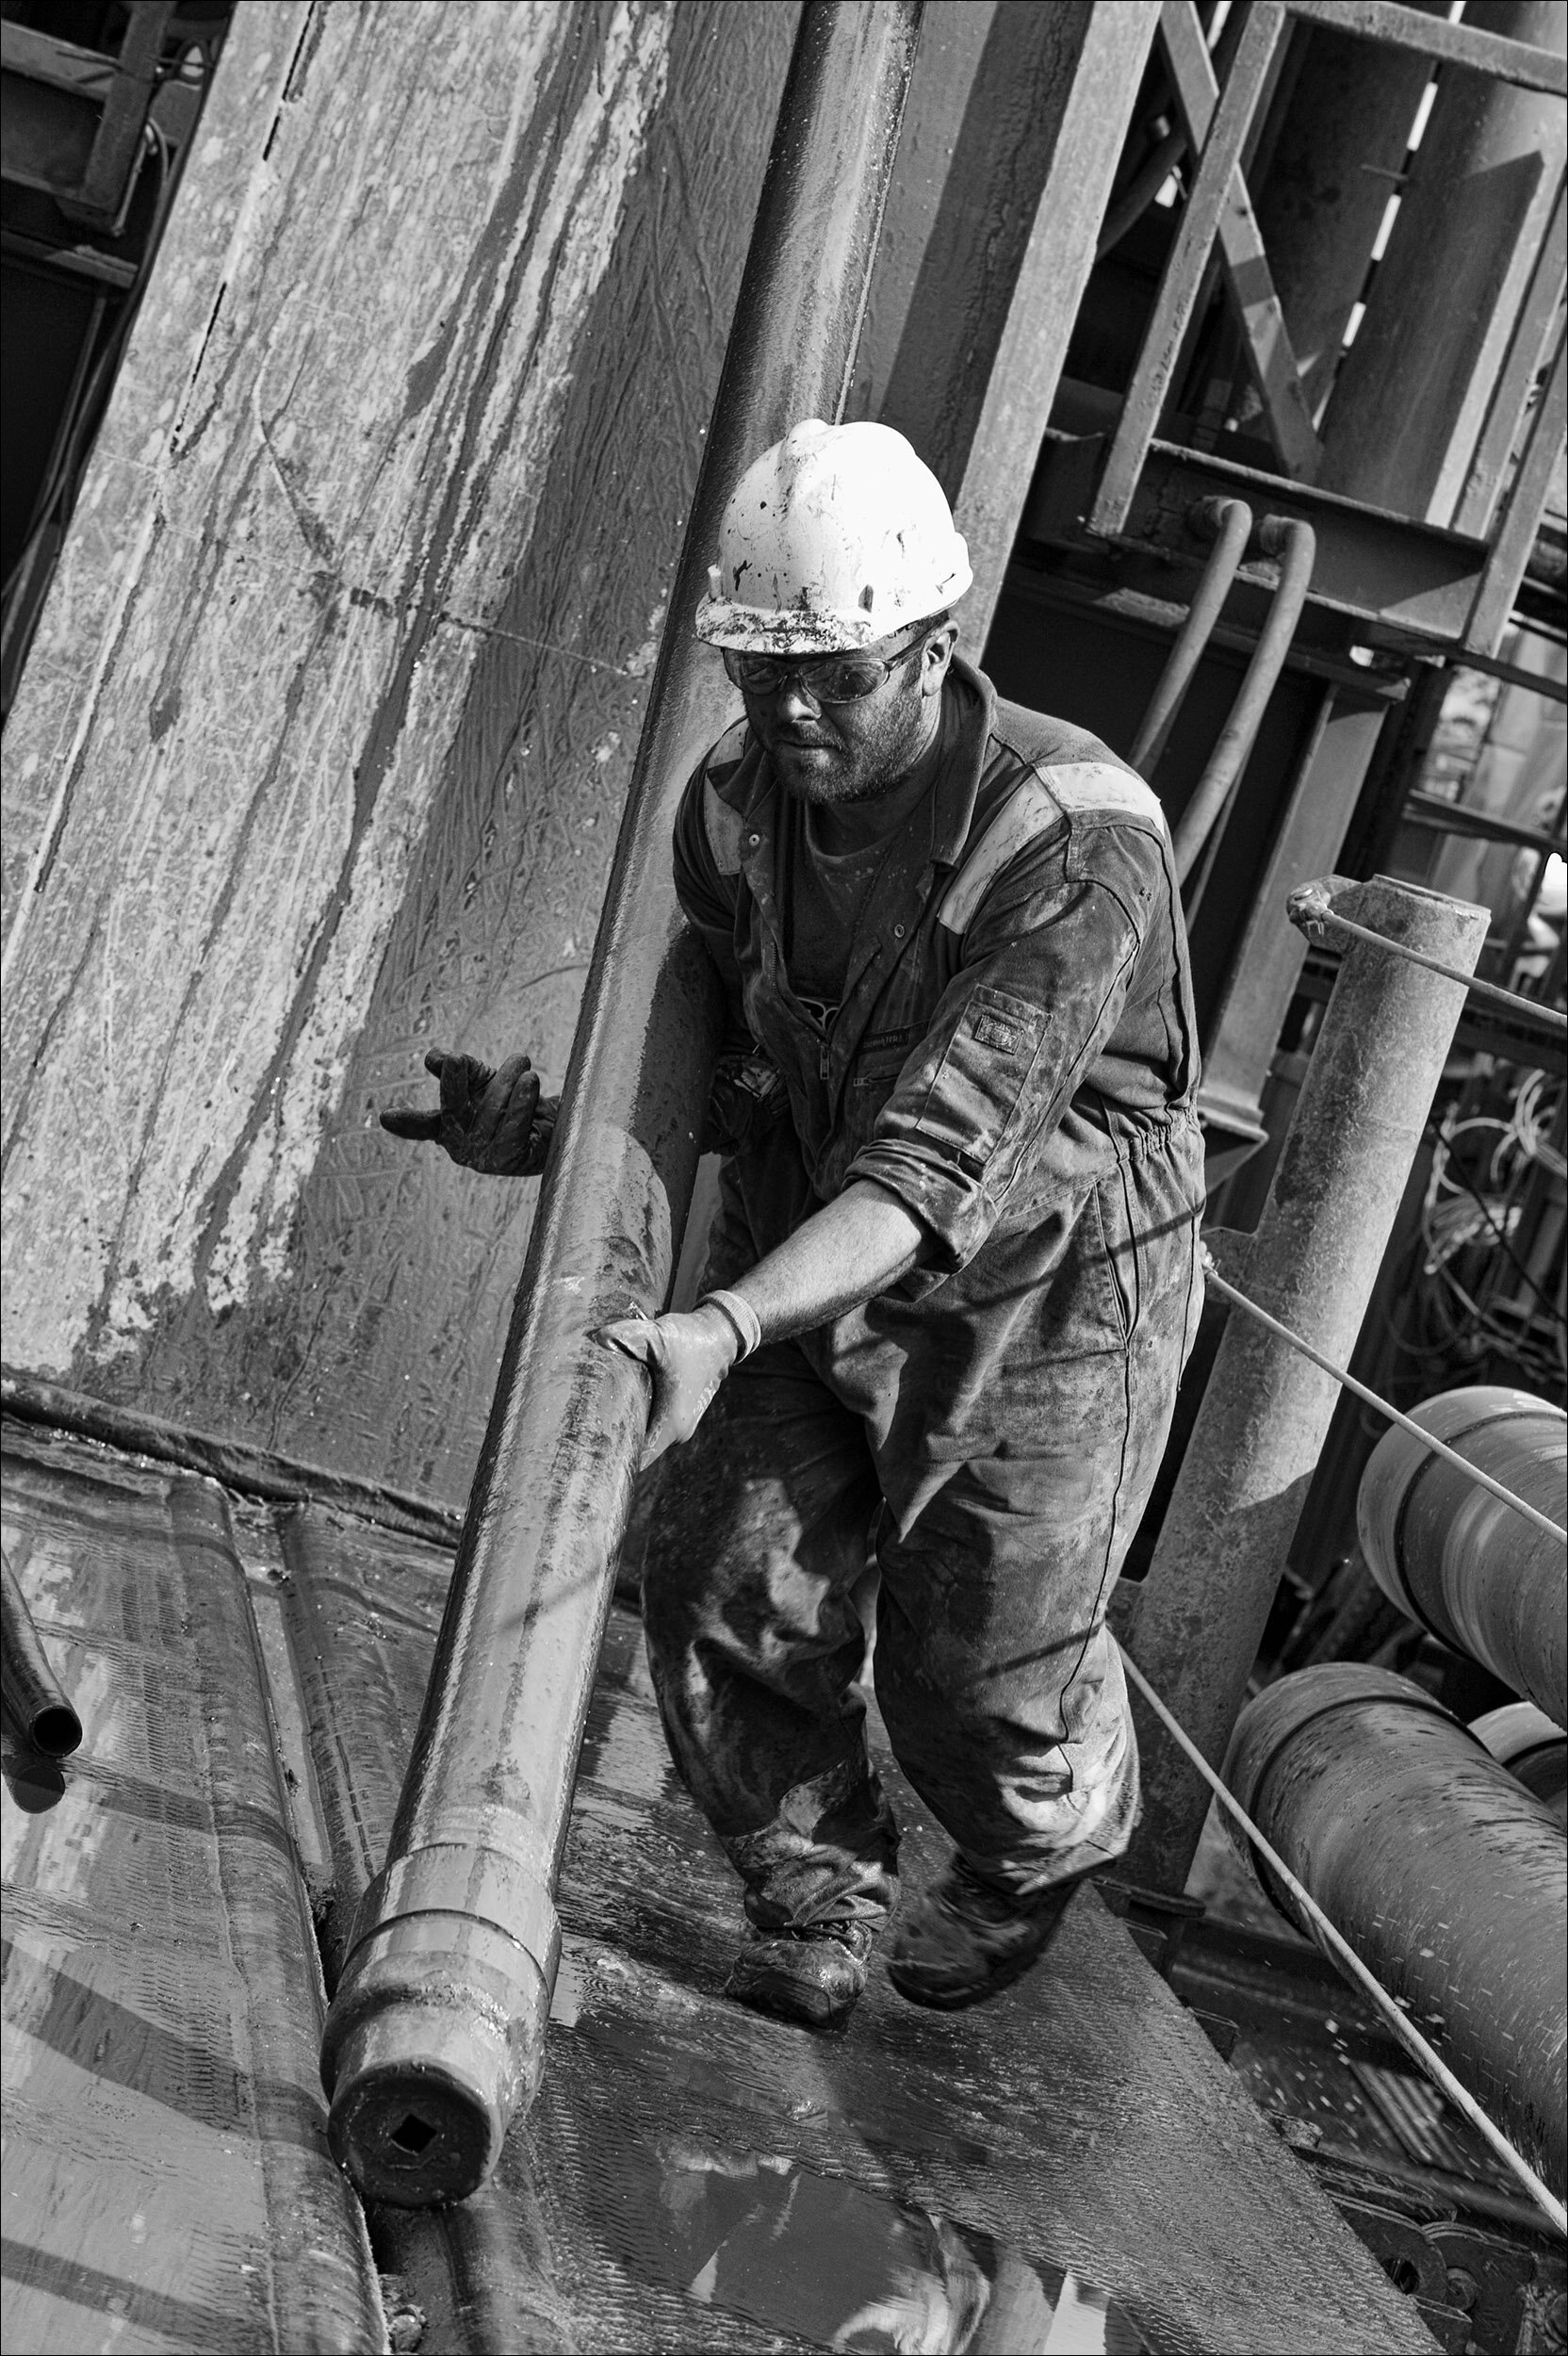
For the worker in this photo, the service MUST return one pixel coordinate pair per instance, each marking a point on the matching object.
(953, 1278)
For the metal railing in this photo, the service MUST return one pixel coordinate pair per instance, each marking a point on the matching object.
(1218, 227)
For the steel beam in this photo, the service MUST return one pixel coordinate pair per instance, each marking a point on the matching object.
(436, 2035)
(1263, 979)
(1372, 567)
(1204, 211)
(1248, 276)
(1092, 111)
(1447, 43)
(1515, 540)
(1517, 379)
(1312, 1264)
(1410, 402)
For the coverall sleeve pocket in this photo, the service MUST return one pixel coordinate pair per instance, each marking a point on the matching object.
(981, 1078)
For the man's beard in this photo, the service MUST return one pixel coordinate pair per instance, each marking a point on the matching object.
(830, 794)
(837, 783)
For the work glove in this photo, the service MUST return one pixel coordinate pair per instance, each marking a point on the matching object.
(688, 1354)
(487, 1121)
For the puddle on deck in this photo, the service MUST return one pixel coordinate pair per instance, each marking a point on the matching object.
(757, 2234)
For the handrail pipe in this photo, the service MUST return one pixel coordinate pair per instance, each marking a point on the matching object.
(1228, 524)
(1311, 1264)
(434, 2037)
(1446, 1876)
(35, 1703)
(1294, 543)
(1474, 1575)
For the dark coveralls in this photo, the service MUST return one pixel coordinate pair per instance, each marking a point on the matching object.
(1014, 1058)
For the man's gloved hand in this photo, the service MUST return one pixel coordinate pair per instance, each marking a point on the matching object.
(687, 1354)
(487, 1121)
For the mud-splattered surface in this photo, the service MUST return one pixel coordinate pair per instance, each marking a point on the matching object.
(1070, 2168)
(167, 2182)
(1081, 2126)
(336, 774)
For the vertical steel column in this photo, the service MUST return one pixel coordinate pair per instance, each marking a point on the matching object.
(1409, 404)
(436, 2035)
(1313, 1263)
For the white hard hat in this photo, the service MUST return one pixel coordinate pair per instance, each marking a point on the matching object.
(837, 536)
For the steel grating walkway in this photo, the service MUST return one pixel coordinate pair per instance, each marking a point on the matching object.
(1071, 2169)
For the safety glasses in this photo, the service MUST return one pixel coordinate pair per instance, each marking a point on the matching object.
(827, 679)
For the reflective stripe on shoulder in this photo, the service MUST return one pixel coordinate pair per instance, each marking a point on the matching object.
(1097, 788)
(1027, 811)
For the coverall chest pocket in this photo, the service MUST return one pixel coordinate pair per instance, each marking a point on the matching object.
(980, 1079)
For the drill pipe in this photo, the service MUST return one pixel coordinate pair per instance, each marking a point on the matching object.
(1445, 1874)
(436, 2035)
(33, 1702)
(1312, 1264)
(1467, 1568)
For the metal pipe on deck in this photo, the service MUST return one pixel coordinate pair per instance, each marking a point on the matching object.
(436, 2035)
(1467, 1568)
(1228, 524)
(33, 1702)
(1312, 1264)
(1445, 1875)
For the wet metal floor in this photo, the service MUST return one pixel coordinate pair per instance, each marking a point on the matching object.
(1071, 2169)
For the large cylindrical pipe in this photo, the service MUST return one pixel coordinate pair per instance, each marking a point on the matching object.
(1524, 1740)
(1463, 1565)
(1446, 1876)
(34, 1703)
(434, 2036)
(1312, 1264)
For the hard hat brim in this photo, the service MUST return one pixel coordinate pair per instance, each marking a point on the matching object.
(788, 630)
(796, 629)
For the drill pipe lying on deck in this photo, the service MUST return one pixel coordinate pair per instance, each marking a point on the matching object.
(1446, 1876)
(1460, 1563)
(436, 2035)
(33, 1702)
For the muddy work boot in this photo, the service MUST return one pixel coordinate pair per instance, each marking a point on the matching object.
(813, 1975)
(963, 1940)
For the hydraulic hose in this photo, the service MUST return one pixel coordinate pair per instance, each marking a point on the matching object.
(33, 1702)
(1296, 545)
(1229, 523)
